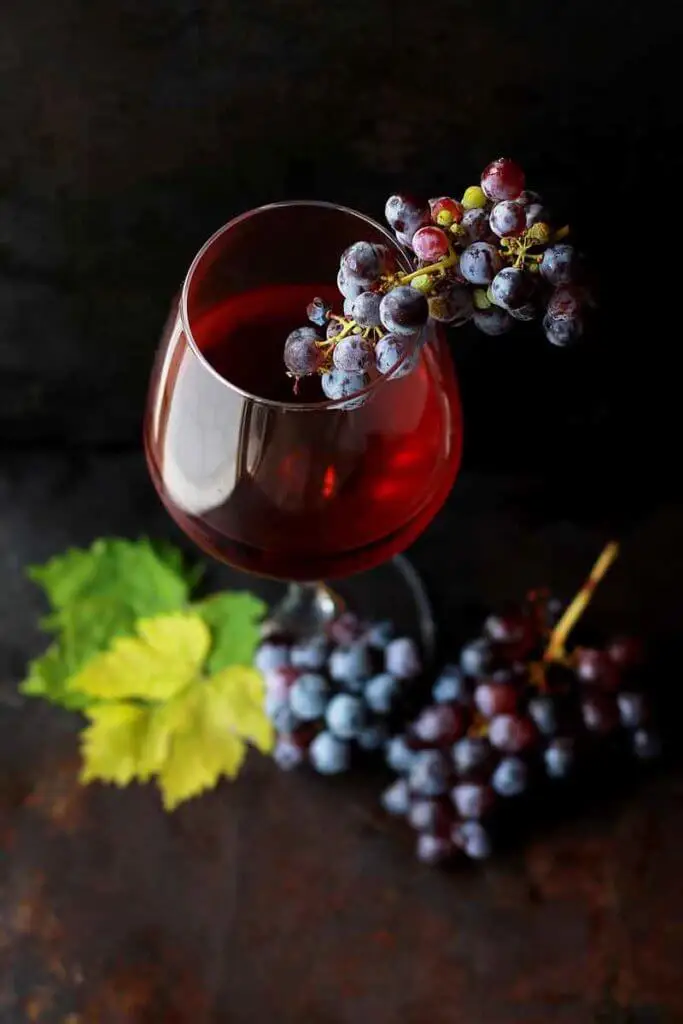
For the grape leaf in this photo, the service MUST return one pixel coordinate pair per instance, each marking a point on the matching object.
(195, 730)
(98, 594)
(165, 656)
(233, 618)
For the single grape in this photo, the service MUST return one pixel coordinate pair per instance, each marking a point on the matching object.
(512, 733)
(439, 725)
(346, 629)
(351, 666)
(446, 211)
(562, 332)
(508, 219)
(559, 263)
(535, 213)
(318, 311)
(430, 243)
(496, 699)
(502, 179)
(627, 652)
(285, 720)
(430, 773)
(379, 634)
(278, 681)
(431, 815)
(402, 658)
(310, 654)
(389, 351)
(349, 288)
(596, 667)
(471, 754)
(477, 658)
(565, 303)
(271, 656)
(329, 755)
(527, 196)
(353, 354)
(544, 713)
(365, 309)
(600, 713)
(348, 307)
(479, 263)
(400, 756)
(474, 198)
(381, 693)
(288, 754)
(433, 850)
(472, 838)
(514, 631)
(510, 288)
(404, 310)
(471, 799)
(560, 757)
(451, 686)
(405, 214)
(396, 798)
(647, 744)
(493, 321)
(338, 384)
(362, 263)
(451, 304)
(373, 737)
(345, 716)
(476, 225)
(511, 777)
(309, 695)
(633, 709)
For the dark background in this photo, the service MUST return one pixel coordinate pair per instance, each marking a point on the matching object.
(129, 132)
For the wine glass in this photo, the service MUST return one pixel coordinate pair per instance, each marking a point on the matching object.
(282, 484)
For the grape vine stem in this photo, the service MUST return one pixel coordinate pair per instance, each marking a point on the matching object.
(555, 650)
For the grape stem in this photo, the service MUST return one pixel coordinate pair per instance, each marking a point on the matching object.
(433, 268)
(555, 650)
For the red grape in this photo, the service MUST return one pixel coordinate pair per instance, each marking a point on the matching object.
(430, 243)
(439, 725)
(495, 699)
(626, 651)
(502, 179)
(597, 667)
(600, 713)
(512, 733)
(446, 211)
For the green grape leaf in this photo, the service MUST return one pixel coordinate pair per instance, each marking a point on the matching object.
(233, 618)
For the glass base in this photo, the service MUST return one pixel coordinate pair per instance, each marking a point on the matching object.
(391, 591)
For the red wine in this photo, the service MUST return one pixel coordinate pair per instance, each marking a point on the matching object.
(295, 491)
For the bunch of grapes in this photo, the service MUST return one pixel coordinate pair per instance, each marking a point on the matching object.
(337, 694)
(514, 716)
(491, 257)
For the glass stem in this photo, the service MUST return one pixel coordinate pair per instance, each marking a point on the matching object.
(305, 609)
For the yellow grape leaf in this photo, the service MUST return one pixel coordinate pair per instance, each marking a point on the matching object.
(213, 719)
(111, 745)
(164, 658)
(188, 742)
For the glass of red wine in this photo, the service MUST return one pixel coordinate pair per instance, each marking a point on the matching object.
(286, 484)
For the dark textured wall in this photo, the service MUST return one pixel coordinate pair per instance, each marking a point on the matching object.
(129, 131)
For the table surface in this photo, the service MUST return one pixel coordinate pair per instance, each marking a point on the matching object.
(290, 898)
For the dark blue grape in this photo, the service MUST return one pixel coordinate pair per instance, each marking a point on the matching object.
(560, 757)
(511, 777)
(353, 355)
(365, 309)
(329, 755)
(302, 355)
(345, 716)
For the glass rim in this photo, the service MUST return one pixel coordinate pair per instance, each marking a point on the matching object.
(328, 403)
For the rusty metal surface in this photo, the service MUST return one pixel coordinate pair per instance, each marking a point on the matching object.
(288, 898)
